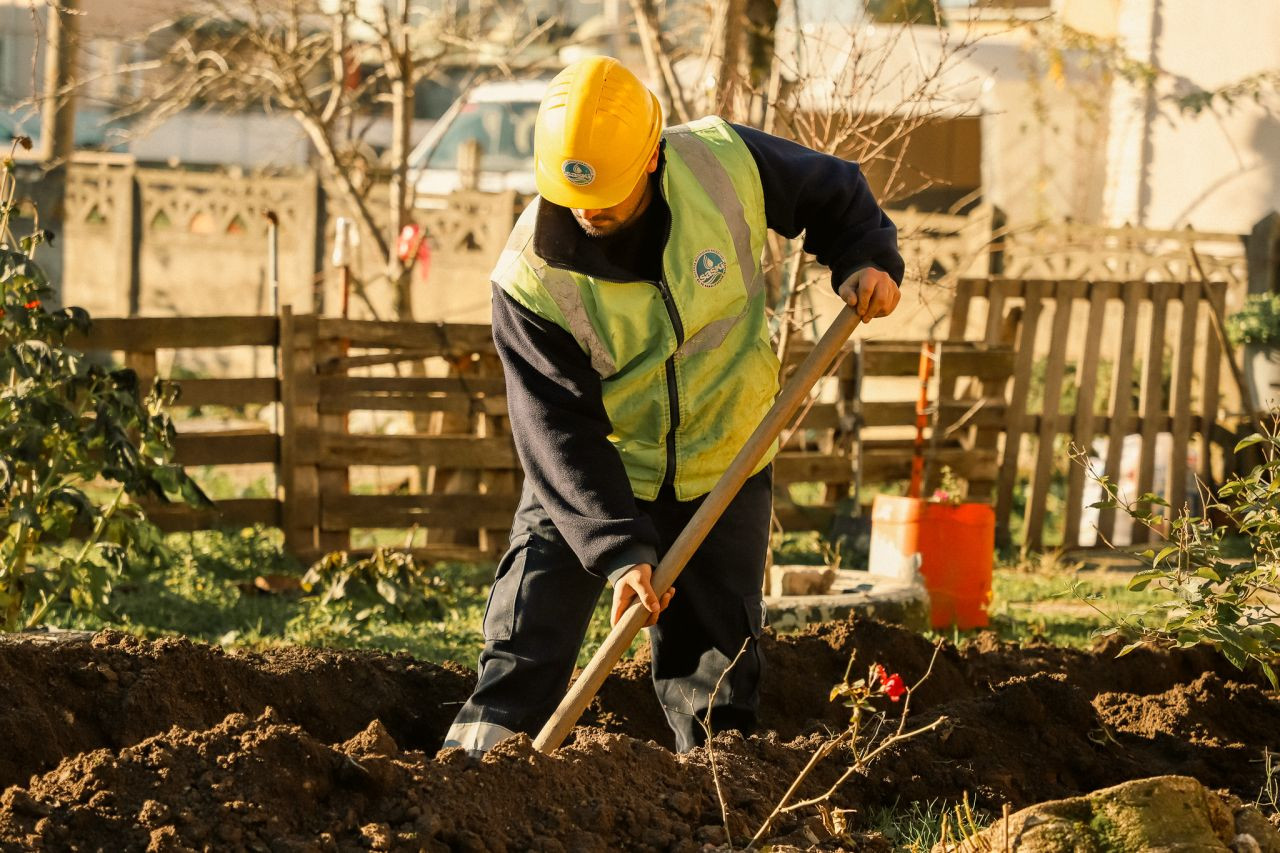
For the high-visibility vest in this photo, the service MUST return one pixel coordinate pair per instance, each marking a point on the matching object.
(691, 351)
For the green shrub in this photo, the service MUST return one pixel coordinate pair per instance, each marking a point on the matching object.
(1258, 322)
(387, 585)
(69, 428)
(1209, 597)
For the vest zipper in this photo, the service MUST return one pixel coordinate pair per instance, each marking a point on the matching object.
(673, 392)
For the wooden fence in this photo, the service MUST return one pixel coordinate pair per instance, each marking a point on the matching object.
(140, 339)
(424, 403)
(329, 369)
(444, 376)
(450, 451)
(1075, 340)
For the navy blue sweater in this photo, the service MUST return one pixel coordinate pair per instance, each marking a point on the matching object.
(554, 396)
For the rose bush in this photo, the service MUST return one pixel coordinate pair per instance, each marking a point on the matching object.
(78, 447)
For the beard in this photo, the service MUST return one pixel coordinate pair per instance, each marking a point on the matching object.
(601, 227)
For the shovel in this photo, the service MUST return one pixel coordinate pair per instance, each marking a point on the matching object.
(713, 506)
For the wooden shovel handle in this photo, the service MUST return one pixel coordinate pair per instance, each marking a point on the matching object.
(713, 506)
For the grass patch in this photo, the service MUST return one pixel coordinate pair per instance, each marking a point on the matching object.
(1031, 602)
(207, 593)
(917, 826)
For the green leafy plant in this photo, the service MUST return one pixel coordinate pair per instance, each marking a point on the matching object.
(238, 555)
(1258, 322)
(950, 488)
(387, 584)
(1232, 604)
(77, 447)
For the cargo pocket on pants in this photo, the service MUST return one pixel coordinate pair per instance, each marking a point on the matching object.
(500, 613)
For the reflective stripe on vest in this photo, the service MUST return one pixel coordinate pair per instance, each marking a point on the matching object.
(560, 285)
(719, 186)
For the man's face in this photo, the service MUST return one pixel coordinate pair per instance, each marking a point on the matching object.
(610, 220)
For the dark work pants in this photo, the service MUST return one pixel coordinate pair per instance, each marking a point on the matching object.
(542, 602)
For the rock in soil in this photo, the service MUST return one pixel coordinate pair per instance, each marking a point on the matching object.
(191, 747)
(1169, 813)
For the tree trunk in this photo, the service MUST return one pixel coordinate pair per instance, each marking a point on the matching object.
(398, 271)
(729, 76)
(762, 59)
(659, 62)
(58, 112)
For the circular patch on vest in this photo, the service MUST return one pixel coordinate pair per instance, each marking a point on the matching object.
(577, 172)
(709, 268)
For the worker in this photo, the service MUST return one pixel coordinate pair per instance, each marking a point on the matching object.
(629, 315)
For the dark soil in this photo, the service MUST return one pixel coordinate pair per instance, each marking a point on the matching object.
(113, 743)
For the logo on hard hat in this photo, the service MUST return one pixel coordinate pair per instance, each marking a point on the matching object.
(577, 172)
(709, 268)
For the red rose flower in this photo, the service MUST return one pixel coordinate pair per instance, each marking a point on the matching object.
(893, 687)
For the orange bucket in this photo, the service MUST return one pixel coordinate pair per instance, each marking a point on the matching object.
(956, 547)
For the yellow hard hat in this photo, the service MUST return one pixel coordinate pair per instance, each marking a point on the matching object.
(596, 130)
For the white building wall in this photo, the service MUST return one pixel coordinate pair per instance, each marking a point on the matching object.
(1049, 154)
(1043, 148)
(18, 76)
(1220, 170)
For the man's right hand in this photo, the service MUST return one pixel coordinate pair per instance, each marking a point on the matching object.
(638, 583)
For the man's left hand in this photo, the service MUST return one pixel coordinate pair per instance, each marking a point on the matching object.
(870, 292)
(636, 584)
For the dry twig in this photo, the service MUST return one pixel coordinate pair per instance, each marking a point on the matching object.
(864, 751)
(711, 752)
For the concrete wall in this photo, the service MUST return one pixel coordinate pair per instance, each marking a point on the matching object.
(144, 241)
(159, 242)
(465, 233)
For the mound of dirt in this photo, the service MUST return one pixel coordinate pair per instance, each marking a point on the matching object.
(64, 697)
(259, 783)
(123, 744)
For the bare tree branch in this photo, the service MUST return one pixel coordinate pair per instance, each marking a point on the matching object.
(299, 57)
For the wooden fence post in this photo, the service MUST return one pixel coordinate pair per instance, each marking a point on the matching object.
(1151, 400)
(1215, 295)
(1033, 294)
(1064, 296)
(331, 480)
(1099, 294)
(143, 363)
(472, 423)
(299, 488)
